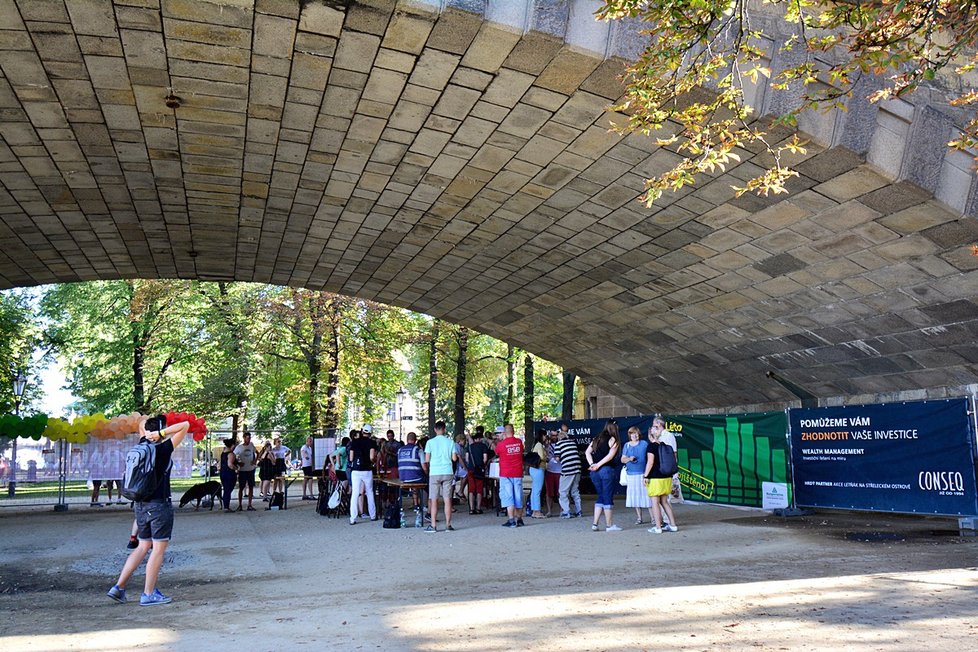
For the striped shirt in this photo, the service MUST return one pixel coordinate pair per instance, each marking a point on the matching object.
(570, 457)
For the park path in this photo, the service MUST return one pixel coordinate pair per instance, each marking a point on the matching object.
(728, 579)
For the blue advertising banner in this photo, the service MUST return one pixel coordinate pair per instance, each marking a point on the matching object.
(915, 457)
(582, 431)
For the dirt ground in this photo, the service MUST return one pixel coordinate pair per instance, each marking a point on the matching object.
(729, 579)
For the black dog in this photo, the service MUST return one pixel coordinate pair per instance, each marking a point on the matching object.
(200, 491)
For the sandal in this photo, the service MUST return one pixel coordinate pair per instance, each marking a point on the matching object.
(639, 522)
(252, 509)
(240, 509)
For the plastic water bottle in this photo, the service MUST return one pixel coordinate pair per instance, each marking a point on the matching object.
(417, 517)
(402, 518)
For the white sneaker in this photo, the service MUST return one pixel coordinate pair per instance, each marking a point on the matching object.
(655, 530)
(670, 528)
(612, 528)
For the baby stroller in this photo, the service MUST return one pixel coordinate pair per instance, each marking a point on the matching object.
(328, 485)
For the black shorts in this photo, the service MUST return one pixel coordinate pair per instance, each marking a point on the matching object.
(307, 471)
(341, 475)
(279, 466)
(154, 521)
(246, 479)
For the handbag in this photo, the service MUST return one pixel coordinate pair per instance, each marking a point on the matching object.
(334, 498)
(623, 477)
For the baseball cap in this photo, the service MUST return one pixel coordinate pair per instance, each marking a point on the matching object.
(368, 429)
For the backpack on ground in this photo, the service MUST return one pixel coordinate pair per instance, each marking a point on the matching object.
(668, 465)
(392, 517)
(140, 480)
(277, 500)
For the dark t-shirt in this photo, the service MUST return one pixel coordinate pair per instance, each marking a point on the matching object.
(601, 451)
(360, 454)
(389, 449)
(474, 455)
(656, 472)
(164, 453)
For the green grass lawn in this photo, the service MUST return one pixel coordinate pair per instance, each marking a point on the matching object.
(76, 488)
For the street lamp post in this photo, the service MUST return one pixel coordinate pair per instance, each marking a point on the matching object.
(401, 393)
(20, 383)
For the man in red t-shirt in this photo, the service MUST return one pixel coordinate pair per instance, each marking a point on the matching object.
(510, 454)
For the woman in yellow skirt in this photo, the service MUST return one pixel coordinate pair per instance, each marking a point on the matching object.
(659, 487)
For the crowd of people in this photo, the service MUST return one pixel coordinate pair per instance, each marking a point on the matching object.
(446, 469)
(237, 466)
(457, 471)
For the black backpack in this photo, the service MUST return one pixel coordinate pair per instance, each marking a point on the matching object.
(140, 480)
(277, 500)
(668, 465)
(392, 517)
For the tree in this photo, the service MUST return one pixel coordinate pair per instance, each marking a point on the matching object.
(370, 334)
(124, 342)
(18, 340)
(432, 375)
(714, 44)
(302, 329)
(567, 397)
(510, 382)
(229, 369)
(528, 414)
(462, 347)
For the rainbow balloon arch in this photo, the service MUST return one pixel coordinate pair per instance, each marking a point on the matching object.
(82, 428)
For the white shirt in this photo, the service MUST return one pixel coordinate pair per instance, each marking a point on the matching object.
(668, 438)
(306, 454)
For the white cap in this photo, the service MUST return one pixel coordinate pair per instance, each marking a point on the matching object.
(367, 429)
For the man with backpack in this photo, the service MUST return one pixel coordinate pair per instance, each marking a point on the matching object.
(147, 484)
(476, 461)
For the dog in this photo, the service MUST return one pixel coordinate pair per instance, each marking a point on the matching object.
(200, 491)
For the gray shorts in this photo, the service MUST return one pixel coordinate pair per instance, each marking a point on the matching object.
(154, 521)
(441, 484)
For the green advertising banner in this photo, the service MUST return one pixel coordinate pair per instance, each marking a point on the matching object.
(726, 458)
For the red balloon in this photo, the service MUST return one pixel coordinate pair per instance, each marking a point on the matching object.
(198, 436)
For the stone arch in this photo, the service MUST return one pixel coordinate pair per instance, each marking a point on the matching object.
(421, 155)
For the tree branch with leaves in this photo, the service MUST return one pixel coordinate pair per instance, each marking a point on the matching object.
(689, 87)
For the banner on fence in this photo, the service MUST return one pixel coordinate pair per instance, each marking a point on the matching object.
(727, 458)
(722, 458)
(582, 431)
(97, 459)
(914, 457)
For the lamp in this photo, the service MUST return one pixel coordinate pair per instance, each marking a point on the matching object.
(401, 394)
(20, 384)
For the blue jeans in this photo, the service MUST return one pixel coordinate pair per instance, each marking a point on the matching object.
(604, 485)
(536, 488)
(228, 479)
(511, 492)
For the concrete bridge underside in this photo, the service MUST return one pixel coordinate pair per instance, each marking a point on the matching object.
(445, 163)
